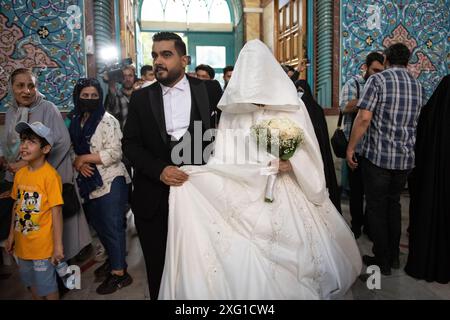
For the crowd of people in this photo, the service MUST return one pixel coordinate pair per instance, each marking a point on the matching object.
(197, 213)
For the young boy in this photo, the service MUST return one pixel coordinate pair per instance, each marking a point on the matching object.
(36, 228)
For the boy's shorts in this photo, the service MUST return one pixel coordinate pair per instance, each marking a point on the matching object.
(39, 274)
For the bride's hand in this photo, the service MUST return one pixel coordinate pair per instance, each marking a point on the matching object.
(285, 166)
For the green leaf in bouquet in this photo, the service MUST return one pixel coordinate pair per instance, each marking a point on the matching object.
(288, 155)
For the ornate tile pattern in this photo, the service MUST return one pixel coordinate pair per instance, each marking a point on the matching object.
(46, 36)
(424, 26)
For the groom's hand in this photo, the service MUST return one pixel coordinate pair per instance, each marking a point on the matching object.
(172, 176)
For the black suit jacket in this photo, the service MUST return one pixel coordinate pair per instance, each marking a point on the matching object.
(146, 144)
(214, 94)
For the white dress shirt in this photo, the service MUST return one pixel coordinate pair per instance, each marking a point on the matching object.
(147, 83)
(177, 108)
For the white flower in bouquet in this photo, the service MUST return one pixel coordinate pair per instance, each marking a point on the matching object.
(280, 137)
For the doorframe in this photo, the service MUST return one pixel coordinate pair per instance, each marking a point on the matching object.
(211, 39)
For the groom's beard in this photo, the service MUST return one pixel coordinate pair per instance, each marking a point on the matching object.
(166, 77)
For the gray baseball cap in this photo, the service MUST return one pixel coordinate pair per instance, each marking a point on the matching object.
(40, 129)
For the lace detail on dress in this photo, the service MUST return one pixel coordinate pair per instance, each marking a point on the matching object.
(323, 213)
(232, 220)
(221, 228)
(214, 268)
(276, 222)
(317, 258)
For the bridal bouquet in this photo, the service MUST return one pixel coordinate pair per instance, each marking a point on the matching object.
(280, 137)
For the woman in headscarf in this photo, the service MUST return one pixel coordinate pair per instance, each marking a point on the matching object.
(319, 122)
(102, 179)
(29, 105)
(429, 187)
(224, 240)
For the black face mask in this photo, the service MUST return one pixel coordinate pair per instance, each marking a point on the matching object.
(88, 105)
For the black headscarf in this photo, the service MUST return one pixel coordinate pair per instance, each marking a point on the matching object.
(81, 136)
(429, 187)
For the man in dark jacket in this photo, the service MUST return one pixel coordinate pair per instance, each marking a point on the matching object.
(172, 113)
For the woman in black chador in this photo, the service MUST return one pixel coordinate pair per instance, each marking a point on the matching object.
(429, 183)
(317, 116)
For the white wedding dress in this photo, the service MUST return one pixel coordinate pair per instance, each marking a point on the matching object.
(225, 242)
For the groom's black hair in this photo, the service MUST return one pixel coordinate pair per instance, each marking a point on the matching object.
(180, 46)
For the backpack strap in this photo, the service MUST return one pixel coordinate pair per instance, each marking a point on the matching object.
(340, 119)
(357, 89)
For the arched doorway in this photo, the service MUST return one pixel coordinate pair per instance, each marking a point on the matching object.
(210, 29)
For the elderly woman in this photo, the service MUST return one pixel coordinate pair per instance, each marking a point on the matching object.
(102, 179)
(29, 105)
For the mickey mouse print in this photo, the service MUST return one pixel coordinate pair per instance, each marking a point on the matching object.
(30, 204)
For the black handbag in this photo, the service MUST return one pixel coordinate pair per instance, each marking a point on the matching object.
(339, 141)
(71, 204)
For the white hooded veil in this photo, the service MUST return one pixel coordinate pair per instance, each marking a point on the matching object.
(258, 79)
(224, 241)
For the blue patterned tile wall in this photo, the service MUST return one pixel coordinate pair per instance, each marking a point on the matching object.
(46, 36)
(424, 26)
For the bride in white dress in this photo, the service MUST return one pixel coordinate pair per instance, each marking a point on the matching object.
(224, 241)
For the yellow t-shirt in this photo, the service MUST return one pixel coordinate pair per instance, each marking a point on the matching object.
(36, 193)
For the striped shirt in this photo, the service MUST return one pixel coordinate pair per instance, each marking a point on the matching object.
(395, 98)
(350, 92)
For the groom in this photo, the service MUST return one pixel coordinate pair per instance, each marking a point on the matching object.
(160, 117)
